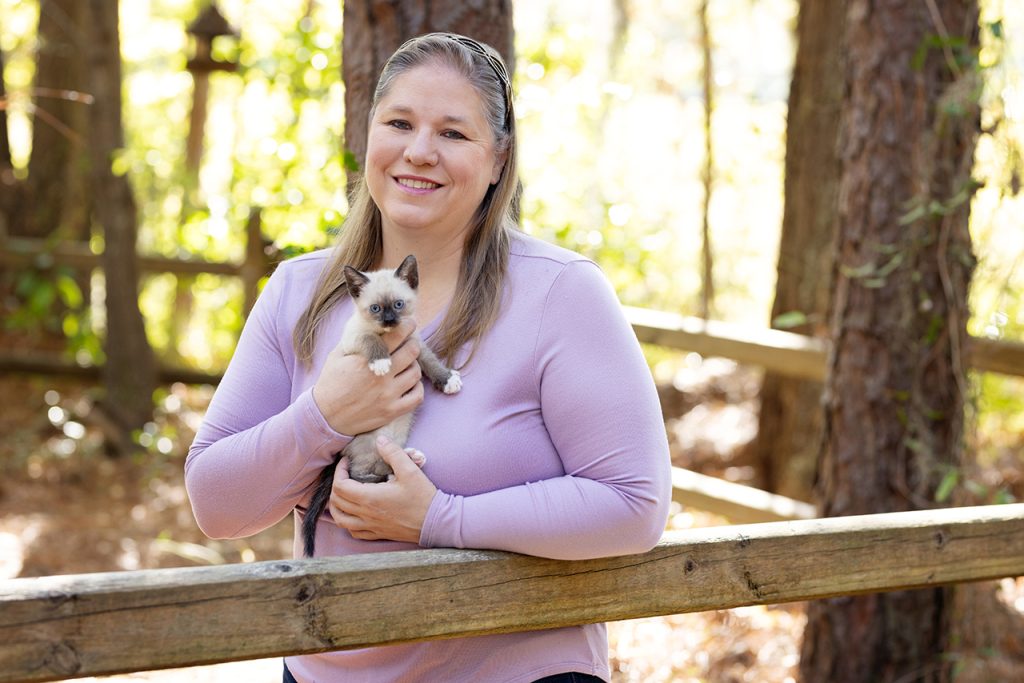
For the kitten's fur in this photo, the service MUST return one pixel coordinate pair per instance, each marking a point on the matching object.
(383, 299)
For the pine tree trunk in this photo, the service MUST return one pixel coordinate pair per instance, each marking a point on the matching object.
(374, 29)
(789, 432)
(896, 385)
(9, 186)
(129, 373)
(57, 193)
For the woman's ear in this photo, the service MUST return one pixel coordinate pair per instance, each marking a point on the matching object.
(499, 163)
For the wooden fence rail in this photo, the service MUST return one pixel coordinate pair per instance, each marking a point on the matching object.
(70, 626)
(786, 353)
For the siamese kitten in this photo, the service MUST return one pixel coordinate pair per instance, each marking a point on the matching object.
(382, 299)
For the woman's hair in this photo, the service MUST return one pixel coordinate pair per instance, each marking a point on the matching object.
(477, 297)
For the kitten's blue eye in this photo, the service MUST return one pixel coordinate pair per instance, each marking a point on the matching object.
(399, 305)
(375, 308)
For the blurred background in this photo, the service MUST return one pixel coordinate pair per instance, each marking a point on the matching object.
(653, 139)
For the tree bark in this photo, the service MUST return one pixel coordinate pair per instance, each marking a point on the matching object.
(373, 29)
(789, 432)
(130, 371)
(896, 386)
(9, 186)
(57, 187)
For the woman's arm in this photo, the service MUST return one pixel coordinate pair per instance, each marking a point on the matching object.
(257, 452)
(601, 410)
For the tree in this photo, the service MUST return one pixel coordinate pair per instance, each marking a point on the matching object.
(895, 391)
(57, 187)
(54, 198)
(129, 373)
(373, 30)
(789, 430)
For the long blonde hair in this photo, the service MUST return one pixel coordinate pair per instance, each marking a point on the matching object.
(477, 297)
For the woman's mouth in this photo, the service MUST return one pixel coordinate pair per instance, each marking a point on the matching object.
(417, 183)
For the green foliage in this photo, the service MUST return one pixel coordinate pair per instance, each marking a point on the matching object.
(789, 320)
(612, 151)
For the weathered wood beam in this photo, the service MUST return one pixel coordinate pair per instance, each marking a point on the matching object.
(65, 626)
(737, 503)
(50, 364)
(789, 354)
(793, 355)
(18, 252)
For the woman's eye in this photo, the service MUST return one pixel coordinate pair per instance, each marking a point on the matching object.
(399, 124)
(453, 135)
(399, 305)
(374, 308)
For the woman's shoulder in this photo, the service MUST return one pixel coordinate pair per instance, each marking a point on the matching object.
(537, 261)
(528, 248)
(301, 271)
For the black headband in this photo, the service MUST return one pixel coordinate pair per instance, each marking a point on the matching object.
(496, 64)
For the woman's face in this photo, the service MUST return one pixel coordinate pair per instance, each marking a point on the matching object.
(430, 153)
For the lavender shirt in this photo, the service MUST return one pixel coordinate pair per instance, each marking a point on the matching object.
(555, 447)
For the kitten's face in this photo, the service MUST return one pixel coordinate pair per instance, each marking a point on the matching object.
(384, 298)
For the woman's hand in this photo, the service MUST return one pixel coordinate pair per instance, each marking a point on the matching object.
(353, 400)
(393, 510)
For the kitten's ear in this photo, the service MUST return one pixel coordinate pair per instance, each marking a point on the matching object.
(355, 281)
(408, 271)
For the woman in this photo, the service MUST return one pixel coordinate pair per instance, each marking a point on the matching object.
(554, 447)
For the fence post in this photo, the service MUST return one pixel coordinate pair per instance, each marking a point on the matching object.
(256, 263)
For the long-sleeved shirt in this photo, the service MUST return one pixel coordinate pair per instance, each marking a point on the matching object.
(554, 447)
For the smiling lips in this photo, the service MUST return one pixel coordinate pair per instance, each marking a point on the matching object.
(417, 184)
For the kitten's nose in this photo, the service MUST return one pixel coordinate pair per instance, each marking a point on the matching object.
(389, 318)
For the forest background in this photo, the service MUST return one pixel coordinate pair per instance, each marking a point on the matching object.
(611, 109)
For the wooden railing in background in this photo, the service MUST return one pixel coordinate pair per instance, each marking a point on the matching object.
(786, 353)
(19, 252)
(91, 624)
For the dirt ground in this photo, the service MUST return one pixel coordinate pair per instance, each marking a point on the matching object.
(67, 506)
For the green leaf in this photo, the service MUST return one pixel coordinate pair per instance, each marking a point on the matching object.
(350, 161)
(69, 291)
(789, 320)
(914, 214)
(859, 271)
(947, 485)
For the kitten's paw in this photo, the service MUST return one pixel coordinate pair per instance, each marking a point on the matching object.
(381, 366)
(454, 383)
(417, 456)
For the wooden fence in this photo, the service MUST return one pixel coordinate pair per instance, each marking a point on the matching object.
(70, 626)
(785, 353)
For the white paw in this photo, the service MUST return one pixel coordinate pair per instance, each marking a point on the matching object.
(417, 456)
(454, 383)
(380, 367)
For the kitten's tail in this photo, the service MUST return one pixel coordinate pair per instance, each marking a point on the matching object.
(317, 505)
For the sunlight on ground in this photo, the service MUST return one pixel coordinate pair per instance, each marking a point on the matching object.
(12, 555)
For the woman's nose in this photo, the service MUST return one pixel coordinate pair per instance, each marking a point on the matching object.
(421, 150)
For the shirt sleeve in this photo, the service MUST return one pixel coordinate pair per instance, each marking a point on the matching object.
(601, 410)
(257, 451)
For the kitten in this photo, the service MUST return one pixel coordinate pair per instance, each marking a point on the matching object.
(383, 299)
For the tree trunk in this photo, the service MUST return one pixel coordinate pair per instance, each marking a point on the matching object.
(9, 186)
(374, 29)
(896, 386)
(789, 433)
(57, 193)
(129, 374)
